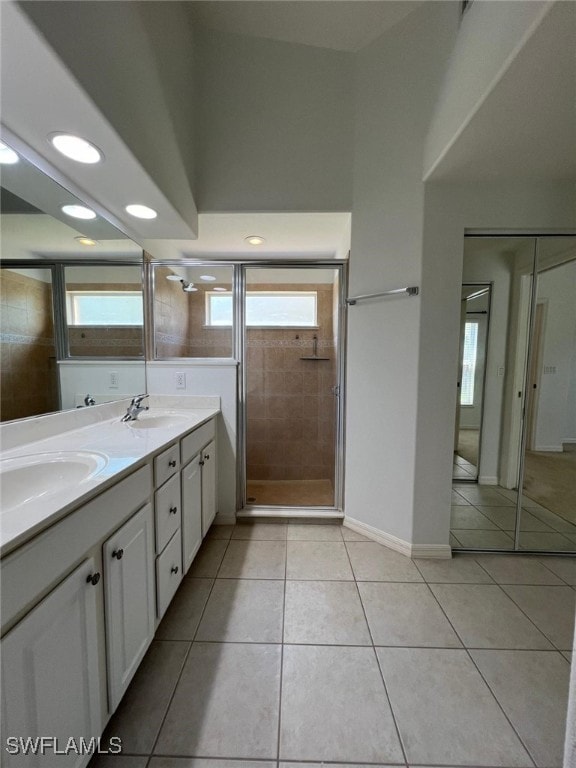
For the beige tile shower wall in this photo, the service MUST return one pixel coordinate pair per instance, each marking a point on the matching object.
(171, 312)
(291, 408)
(105, 341)
(180, 322)
(28, 355)
(204, 341)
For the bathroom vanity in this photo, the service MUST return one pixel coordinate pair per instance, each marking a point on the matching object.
(101, 519)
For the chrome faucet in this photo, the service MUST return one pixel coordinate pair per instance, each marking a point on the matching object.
(135, 408)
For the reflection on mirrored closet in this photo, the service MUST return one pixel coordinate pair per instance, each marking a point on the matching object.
(71, 301)
(516, 419)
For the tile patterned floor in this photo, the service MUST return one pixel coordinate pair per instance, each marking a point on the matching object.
(291, 646)
(484, 517)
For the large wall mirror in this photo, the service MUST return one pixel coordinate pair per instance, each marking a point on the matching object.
(61, 335)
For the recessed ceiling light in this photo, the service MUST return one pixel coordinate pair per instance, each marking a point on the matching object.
(85, 240)
(141, 211)
(76, 148)
(174, 277)
(218, 289)
(78, 212)
(7, 155)
(208, 278)
(254, 240)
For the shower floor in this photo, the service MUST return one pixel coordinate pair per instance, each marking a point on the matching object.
(290, 493)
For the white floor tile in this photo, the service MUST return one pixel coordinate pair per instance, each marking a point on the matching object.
(445, 712)
(334, 707)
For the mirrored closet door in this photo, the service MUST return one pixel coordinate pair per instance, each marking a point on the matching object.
(521, 492)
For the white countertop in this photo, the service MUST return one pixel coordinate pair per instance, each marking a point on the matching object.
(120, 448)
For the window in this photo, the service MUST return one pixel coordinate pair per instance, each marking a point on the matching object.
(266, 309)
(469, 363)
(104, 308)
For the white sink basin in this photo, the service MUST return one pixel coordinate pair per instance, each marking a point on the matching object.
(158, 421)
(38, 475)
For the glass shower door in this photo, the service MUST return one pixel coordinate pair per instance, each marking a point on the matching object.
(291, 319)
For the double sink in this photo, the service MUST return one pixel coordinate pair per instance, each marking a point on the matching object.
(36, 476)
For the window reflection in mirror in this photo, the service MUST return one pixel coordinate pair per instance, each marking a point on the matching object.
(104, 311)
(29, 373)
(183, 317)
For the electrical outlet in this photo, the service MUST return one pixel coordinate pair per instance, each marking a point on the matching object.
(501, 371)
(113, 380)
(180, 377)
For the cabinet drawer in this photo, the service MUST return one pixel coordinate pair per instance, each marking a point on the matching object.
(166, 464)
(167, 513)
(168, 573)
(195, 441)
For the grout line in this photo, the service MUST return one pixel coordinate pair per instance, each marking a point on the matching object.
(282, 659)
(550, 586)
(191, 643)
(467, 650)
(396, 727)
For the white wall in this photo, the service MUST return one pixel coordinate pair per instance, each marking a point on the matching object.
(207, 379)
(80, 378)
(397, 79)
(555, 420)
(490, 36)
(275, 125)
(449, 210)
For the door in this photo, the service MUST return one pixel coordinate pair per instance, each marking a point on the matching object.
(472, 369)
(292, 318)
(208, 463)
(191, 511)
(548, 498)
(51, 672)
(129, 585)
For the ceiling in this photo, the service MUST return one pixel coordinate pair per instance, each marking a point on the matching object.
(525, 126)
(346, 25)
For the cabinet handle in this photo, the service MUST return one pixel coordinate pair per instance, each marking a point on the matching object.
(201, 463)
(172, 463)
(173, 510)
(93, 579)
(207, 456)
(174, 569)
(118, 553)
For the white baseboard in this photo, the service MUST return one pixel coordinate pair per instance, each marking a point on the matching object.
(223, 519)
(549, 448)
(569, 440)
(487, 480)
(437, 551)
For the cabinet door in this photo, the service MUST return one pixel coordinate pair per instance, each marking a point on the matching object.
(129, 592)
(191, 511)
(51, 673)
(208, 486)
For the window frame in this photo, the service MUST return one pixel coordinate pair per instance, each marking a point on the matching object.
(472, 388)
(211, 294)
(72, 311)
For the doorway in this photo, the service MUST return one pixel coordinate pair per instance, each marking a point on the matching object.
(292, 321)
(474, 319)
